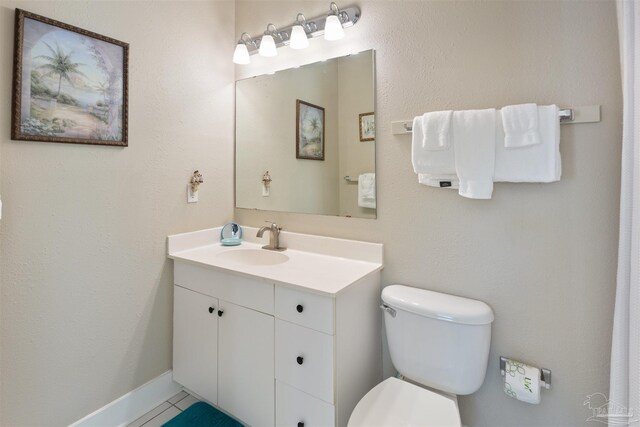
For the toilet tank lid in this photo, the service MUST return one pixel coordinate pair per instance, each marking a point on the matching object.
(437, 305)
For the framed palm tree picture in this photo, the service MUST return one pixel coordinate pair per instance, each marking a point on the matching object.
(309, 131)
(69, 84)
(367, 127)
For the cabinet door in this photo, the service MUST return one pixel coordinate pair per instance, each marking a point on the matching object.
(195, 342)
(245, 361)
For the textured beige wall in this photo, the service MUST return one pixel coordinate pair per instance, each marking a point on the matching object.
(542, 255)
(266, 135)
(86, 286)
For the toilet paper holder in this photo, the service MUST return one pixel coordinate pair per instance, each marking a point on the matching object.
(545, 374)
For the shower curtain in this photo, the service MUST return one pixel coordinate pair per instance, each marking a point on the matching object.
(624, 398)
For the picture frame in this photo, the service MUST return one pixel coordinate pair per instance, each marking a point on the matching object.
(367, 127)
(310, 125)
(70, 85)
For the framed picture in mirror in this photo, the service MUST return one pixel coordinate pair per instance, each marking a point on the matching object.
(367, 127)
(309, 131)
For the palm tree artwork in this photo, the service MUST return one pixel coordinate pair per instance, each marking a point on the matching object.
(310, 131)
(59, 64)
(76, 90)
(103, 89)
(314, 126)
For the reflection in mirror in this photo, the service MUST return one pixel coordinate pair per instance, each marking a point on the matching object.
(305, 139)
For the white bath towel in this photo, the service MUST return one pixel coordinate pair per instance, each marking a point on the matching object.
(534, 163)
(367, 190)
(436, 130)
(474, 136)
(439, 181)
(430, 162)
(520, 124)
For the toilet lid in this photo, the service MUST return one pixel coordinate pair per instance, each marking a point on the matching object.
(398, 403)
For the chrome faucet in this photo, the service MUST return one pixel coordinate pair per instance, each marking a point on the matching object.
(274, 237)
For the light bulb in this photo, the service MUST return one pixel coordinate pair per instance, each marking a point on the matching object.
(333, 28)
(298, 38)
(268, 46)
(241, 54)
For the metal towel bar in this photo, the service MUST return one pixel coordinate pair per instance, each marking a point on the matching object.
(588, 114)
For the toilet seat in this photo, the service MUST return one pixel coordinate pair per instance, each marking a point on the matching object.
(398, 403)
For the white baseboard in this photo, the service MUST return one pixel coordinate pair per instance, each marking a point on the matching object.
(132, 405)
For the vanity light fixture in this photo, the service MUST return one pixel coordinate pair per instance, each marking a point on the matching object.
(333, 27)
(297, 35)
(241, 54)
(268, 43)
(299, 38)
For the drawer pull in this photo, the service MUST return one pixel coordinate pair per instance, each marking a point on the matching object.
(211, 310)
(220, 312)
(300, 424)
(299, 308)
(299, 359)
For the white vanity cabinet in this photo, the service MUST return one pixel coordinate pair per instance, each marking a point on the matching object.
(224, 351)
(195, 342)
(295, 345)
(245, 364)
(328, 352)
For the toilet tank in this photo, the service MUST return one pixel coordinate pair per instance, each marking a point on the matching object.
(438, 340)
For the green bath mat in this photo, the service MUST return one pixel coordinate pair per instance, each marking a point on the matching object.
(202, 414)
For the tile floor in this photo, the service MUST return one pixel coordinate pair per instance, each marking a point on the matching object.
(164, 412)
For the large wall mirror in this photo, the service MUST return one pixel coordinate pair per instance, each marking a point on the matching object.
(305, 139)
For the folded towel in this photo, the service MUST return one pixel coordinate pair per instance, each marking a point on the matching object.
(439, 181)
(474, 136)
(426, 161)
(367, 190)
(534, 163)
(520, 124)
(436, 129)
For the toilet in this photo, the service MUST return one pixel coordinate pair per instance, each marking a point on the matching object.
(436, 340)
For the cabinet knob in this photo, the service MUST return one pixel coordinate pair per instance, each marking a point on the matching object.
(300, 308)
(299, 359)
(300, 424)
(211, 309)
(220, 312)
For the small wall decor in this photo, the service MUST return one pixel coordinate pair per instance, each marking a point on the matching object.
(196, 180)
(367, 127)
(309, 131)
(266, 179)
(69, 84)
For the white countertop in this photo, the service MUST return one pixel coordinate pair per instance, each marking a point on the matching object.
(326, 265)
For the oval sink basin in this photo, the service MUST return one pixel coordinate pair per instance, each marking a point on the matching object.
(252, 257)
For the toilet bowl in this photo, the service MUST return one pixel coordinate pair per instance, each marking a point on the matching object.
(436, 340)
(398, 403)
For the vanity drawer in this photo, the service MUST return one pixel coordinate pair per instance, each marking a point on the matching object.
(304, 359)
(250, 293)
(294, 406)
(304, 308)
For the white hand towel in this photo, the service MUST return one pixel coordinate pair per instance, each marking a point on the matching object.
(367, 190)
(426, 161)
(535, 163)
(520, 124)
(439, 181)
(474, 136)
(436, 129)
